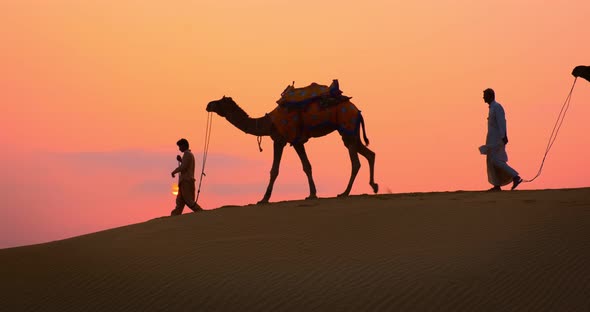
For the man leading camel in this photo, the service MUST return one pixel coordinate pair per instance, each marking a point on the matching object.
(499, 173)
(186, 180)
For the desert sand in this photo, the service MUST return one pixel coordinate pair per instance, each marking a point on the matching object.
(450, 251)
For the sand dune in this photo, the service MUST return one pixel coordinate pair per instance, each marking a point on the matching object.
(458, 251)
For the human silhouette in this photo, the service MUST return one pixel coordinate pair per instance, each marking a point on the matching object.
(499, 173)
(186, 180)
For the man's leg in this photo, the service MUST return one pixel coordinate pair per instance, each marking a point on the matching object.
(188, 191)
(516, 179)
(504, 166)
(179, 203)
(495, 176)
(515, 182)
(195, 207)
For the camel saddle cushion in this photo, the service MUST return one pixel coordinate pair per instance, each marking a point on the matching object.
(300, 97)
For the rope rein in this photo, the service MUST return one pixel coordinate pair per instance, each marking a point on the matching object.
(259, 139)
(555, 130)
(205, 150)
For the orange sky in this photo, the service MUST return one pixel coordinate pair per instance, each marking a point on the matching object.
(95, 94)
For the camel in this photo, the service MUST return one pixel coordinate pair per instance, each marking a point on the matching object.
(264, 126)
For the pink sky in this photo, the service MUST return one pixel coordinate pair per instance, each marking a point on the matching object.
(94, 96)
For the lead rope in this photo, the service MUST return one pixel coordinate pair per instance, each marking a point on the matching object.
(556, 128)
(205, 150)
(259, 138)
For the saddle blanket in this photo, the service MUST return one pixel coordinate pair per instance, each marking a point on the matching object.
(298, 125)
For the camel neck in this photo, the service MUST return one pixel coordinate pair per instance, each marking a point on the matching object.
(255, 126)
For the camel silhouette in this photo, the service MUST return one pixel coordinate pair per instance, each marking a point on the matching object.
(314, 120)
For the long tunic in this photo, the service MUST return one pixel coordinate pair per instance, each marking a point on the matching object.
(499, 173)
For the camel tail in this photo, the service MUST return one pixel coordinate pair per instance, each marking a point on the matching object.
(362, 121)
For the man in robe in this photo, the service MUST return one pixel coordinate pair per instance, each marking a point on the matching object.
(499, 173)
(186, 180)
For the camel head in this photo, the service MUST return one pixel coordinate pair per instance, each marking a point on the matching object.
(221, 106)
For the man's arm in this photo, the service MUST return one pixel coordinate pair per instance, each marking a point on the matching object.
(501, 122)
(183, 165)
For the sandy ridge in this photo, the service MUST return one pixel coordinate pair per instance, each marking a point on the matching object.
(454, 251)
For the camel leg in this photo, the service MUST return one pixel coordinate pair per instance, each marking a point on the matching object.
(300, 149)
(370, 156)
(278, 147)
(352, 146)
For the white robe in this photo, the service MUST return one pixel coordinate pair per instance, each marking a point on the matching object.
(499, 173)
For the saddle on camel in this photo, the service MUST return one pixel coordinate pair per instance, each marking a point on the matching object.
(301, 114)
(303, 110)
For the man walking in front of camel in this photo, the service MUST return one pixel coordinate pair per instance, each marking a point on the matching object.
(186, 180)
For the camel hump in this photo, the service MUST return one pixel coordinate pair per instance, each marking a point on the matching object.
(300, 97)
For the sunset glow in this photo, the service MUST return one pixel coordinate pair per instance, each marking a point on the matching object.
(95, 95)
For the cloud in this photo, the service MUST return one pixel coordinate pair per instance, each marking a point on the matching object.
(147, 173)
(126, 160)
(142, 160)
